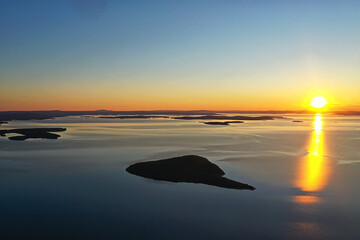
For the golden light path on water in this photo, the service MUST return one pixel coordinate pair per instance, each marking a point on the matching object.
(314, 170)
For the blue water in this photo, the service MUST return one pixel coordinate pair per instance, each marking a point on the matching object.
(76, 187)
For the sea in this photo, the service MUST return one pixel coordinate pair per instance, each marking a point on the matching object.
(305, 168)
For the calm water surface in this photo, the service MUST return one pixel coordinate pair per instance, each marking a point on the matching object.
(306, 176)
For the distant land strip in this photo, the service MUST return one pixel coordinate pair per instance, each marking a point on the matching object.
(41, 115)
(133, 117)
(222, 117)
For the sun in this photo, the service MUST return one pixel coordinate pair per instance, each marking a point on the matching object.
(318, 102)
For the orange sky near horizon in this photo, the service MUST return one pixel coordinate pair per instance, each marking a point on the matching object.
(140, 99)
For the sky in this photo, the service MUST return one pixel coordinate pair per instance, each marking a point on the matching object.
(178, 55)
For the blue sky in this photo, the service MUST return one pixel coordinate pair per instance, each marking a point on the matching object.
(220, 50)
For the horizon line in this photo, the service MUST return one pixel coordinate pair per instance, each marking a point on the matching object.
(179, 110)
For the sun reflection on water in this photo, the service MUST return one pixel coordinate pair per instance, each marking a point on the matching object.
(313, 172)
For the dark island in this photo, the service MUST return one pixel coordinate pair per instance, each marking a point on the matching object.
(216, 123)
(26, 133)
(2, 122)
(222, 123)
(298, 121)
(190, 169)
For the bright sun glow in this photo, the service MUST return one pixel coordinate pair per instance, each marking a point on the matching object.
(318, 102)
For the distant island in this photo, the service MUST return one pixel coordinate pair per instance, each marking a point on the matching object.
(222, 123)
(2, 122)
(26, 133)
(189, 168)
